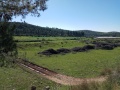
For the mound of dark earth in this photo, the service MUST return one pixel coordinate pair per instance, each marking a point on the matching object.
(63, 50)
(105, 46)
(52, 51)
(77, 49)
(48, 52)
(116, 44)
(88, 47)
(108, 47)
(97, 45)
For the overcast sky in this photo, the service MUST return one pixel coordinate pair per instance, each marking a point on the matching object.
(97, 15)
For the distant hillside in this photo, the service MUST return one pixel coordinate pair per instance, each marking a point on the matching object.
(32, 30)
(89, 33)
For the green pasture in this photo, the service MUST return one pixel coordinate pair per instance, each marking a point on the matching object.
(19, 79)
(82, 64)
(29, 38)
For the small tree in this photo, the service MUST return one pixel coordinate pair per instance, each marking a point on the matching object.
(8, 9)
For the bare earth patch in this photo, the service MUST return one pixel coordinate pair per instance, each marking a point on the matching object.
(59, 78)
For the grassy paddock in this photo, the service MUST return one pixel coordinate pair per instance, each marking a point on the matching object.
(22, 79)
(82, 64)
(26, 38)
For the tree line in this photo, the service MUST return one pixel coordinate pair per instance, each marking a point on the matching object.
(90, 33)
(24, 29)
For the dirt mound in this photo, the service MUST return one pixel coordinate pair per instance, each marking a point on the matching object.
(82, 49)
(63, 50)
(52, 51)
(105, 46)
(77, 49)
(117, 45)
(108, 47)
(97, 45)
(88, 47)
(49, 52)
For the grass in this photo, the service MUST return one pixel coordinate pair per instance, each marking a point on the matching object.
(112, 83)
(82, 64)
(29, 38)
(21, 79)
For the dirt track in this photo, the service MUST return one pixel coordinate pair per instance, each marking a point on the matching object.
(59, 78)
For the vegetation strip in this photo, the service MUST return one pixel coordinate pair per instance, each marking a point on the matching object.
(59, 78)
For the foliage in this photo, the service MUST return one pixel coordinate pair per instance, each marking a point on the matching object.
(90, 33)
(8, 48)
(9, 8)
(6, 37)
(25, 29)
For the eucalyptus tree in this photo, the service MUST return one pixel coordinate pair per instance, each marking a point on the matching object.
(10, 8)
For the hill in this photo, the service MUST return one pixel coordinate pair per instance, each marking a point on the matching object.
(24, 29)
(90, 33)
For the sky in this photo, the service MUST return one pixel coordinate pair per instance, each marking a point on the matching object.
(96, 15)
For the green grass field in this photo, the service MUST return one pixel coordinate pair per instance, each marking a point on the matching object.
(22, 79)
(28, 38)
(82, 64)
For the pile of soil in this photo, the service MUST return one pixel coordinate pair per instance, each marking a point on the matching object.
(48, 52)
(65, 50)
(105, 46)
(96, 45)
(77, 49)
(88, 47)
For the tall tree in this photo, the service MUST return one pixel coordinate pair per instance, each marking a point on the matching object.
(10, 8)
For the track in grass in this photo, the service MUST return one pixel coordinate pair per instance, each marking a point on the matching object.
(59, 78)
